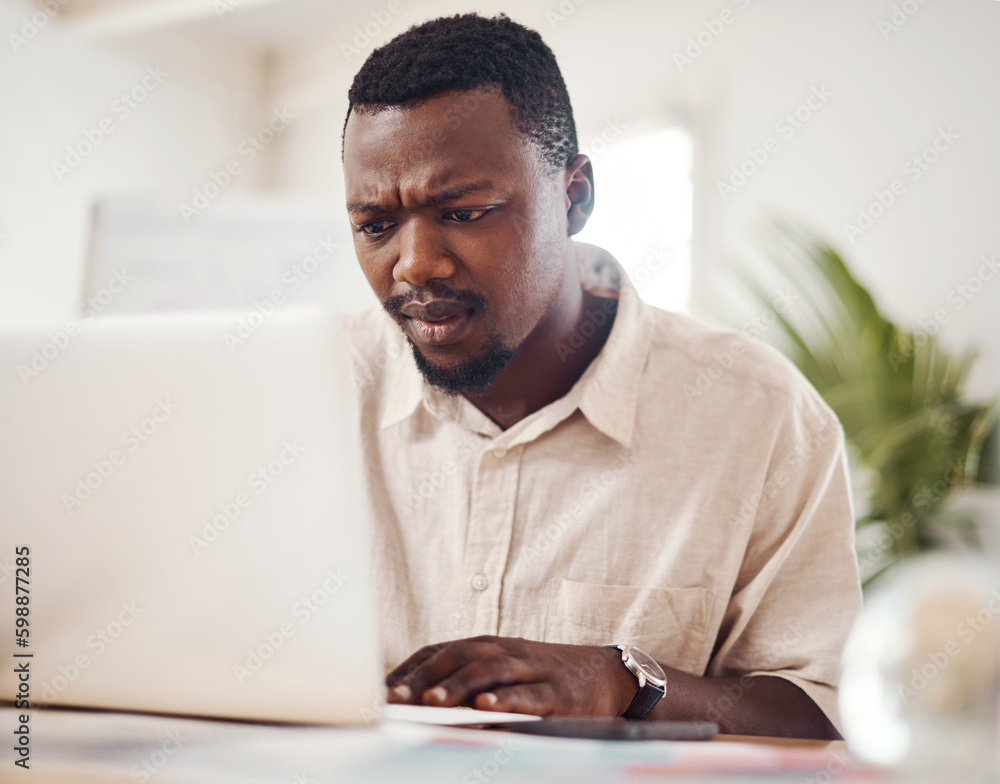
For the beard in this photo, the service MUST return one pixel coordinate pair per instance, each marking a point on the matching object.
(473, 374)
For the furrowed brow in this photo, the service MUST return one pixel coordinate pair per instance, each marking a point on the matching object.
(364, 207)
(453, 193)
(458, 191)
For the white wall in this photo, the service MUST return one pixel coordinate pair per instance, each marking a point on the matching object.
(941, 69)
(55, 87)
(890, 93)
(889, 97)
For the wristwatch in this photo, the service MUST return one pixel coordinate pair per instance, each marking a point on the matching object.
(652, 681)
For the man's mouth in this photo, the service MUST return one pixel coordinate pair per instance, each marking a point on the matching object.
(438, 322)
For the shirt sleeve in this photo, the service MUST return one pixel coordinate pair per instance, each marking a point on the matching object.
(798, 590)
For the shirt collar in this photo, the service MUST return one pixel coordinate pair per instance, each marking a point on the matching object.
(406, 384)
(607, 393)
(609, 388)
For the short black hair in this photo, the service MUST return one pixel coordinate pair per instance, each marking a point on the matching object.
(465, 52)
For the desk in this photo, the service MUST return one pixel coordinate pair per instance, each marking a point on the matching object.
(81, 747)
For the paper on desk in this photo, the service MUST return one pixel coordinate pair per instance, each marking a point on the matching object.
(451, 717)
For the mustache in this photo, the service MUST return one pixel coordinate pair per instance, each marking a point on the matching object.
(393, 305)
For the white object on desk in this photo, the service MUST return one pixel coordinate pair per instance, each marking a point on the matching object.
(196, 519)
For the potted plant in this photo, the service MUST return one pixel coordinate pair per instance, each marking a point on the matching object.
(898, 393)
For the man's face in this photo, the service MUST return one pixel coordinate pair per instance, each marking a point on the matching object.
(460, 229)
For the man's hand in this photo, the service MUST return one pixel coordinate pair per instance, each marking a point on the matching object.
(512, 674)
(548, 679)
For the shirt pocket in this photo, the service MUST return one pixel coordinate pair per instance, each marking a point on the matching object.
(670, 624)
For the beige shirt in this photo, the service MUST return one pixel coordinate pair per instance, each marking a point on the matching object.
(689, 495)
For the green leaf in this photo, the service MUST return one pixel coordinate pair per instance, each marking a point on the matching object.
(898, 393)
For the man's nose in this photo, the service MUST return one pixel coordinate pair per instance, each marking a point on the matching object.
(422, 255)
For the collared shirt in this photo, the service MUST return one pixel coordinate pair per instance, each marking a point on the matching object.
(689, 495)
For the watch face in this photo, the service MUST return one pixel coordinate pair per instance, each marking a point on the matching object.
(650, 668)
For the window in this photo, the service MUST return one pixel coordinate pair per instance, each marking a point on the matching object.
(643, 211)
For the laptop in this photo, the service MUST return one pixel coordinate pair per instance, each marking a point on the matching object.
(185, 527)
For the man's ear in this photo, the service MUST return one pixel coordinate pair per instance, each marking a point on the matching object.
(579, 193)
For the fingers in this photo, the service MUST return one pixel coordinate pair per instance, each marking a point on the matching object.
(535, 699)
(426, 668)
(420, 657)
(505, 674)
(481, 674)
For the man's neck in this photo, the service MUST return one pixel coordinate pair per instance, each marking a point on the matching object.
(550, 361)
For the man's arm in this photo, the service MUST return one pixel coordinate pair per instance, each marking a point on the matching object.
(762, 705)
(547, 679)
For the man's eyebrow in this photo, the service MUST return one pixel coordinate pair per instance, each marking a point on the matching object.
(365, 207)
(452, 193)
(458, 191)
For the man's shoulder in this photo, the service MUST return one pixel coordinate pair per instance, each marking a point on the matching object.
(726, 367)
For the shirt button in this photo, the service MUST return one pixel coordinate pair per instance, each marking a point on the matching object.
(499, 453)
(479, 582)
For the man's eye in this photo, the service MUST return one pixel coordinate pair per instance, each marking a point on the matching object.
(466, 216)
(375, 228)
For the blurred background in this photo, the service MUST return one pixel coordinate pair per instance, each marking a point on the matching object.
(165, 154)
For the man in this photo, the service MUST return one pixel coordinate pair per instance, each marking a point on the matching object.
(545, 482)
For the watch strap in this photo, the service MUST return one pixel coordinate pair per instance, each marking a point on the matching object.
(646, 696)
(644, 701)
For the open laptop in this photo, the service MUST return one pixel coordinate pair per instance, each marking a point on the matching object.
(185, 496)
